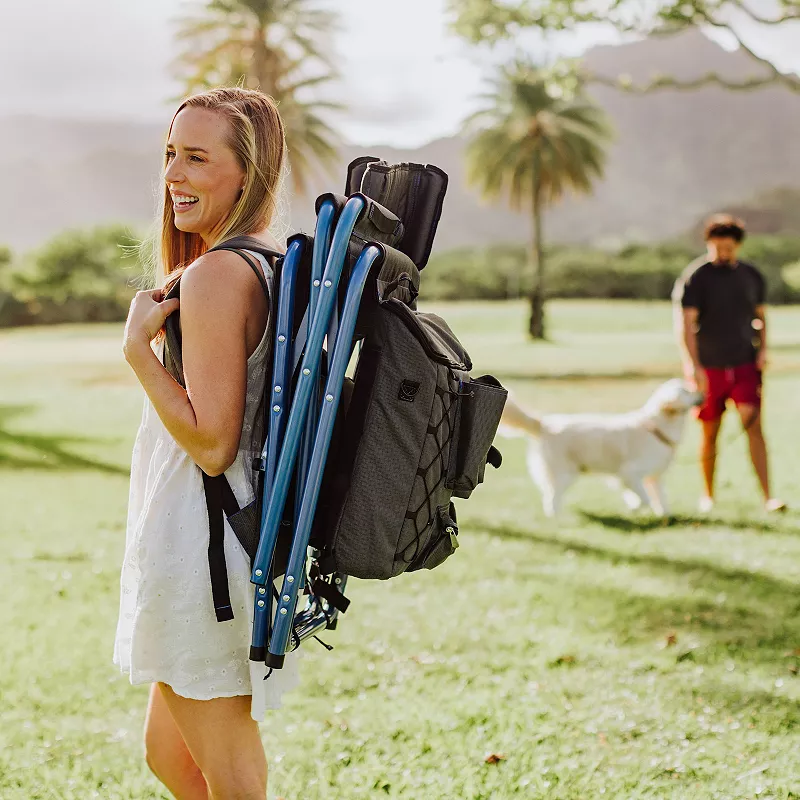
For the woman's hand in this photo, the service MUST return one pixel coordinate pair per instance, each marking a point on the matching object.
(146, 317)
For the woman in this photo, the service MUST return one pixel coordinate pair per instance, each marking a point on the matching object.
(223, 163)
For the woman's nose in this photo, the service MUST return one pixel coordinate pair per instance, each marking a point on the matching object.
(173, 172)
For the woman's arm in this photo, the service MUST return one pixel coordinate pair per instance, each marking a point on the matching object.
(205, 419)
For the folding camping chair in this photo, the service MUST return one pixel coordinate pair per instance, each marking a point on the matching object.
(360, 248)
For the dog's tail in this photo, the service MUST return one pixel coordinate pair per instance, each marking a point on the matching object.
(515, 418)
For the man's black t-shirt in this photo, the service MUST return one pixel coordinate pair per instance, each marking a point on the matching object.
(726, 297)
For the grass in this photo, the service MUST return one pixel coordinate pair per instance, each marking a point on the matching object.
(603, 655)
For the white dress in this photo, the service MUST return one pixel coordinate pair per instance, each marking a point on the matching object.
(167, 629)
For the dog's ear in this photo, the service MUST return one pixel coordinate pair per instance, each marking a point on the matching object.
(671, 407)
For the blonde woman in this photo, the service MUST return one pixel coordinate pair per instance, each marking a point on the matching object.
(223, 162)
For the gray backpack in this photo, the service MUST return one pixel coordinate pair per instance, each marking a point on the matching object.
(415, 430)
(418, 431)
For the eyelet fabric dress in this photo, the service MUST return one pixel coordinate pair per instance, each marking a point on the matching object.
(167, 629)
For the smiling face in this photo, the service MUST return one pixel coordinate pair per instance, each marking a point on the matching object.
(202, 173)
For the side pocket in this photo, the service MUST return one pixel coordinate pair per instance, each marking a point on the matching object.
(442, 543)
(244, 524)
(479, 408)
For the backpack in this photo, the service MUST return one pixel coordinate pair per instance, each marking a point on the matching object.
(418, 430)
(413, 430)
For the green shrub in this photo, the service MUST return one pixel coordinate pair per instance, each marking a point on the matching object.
(78, 276)
(791, 277)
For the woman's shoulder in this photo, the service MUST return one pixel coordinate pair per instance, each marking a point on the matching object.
(217, 270)
(220, 273)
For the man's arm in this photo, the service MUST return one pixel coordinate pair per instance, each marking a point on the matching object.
(687, 342)
(687, 338)
(686, 299)
(760, 324)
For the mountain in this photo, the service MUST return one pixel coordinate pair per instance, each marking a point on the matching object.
(677, 156)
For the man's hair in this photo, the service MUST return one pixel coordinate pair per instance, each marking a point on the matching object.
(724, 226)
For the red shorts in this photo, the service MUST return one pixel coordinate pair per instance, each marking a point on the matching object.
(741, 384)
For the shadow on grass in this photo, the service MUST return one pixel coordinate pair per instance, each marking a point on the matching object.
(45, 451)
(681, 566)
(643, 524)
(745, 615)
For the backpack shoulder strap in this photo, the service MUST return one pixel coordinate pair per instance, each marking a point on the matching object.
(264, 279)
(172, 351)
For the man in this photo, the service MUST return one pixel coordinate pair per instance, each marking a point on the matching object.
(721, 326)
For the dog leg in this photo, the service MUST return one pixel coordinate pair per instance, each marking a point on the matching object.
(549, 502)
(561, 483)
(632, 500)
(553, 493)
(635, 493)
(542, 478)
(657, 495)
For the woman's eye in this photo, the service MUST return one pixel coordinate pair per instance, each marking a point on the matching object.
(196, 158)
(169, 154)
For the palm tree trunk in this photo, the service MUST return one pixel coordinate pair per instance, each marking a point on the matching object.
(536, 326)
(261, 72)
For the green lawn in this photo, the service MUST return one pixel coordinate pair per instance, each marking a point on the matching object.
(603, 655)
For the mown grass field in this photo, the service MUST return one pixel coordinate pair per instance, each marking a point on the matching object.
(602, 656)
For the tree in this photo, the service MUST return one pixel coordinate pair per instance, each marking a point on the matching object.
(83, 263)
(277, 46)
(493, 20)
(533, 144)
(6, 258)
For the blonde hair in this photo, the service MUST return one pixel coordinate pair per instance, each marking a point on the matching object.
(256, 136)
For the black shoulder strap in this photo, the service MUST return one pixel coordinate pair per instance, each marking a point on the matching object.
(220, 500)
(248, 243)
(173, 346)
(236, 246)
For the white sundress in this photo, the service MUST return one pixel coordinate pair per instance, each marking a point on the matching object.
(167, 629)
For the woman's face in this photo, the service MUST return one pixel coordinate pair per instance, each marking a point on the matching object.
(202, 173)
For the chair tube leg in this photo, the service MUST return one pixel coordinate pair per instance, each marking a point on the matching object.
(278, 396)
(341, 356)
(298, 413)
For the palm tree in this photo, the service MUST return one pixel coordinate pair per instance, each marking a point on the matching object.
(277, 46)
(531, 145)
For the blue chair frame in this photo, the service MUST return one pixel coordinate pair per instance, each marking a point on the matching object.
(301, 425)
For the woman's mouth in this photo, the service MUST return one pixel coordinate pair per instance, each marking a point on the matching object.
(183, 202)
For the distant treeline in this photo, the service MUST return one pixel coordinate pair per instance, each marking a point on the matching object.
(91, 276)
(640, 271)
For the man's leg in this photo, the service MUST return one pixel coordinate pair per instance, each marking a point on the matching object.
(747, 395)
(751, 422)
(710, 415)
(708, 457)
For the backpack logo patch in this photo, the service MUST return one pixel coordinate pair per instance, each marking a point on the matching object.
(408, 391)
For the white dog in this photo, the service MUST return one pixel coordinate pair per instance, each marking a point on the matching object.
(636, 448)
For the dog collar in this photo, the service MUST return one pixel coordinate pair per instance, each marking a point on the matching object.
(660, 435)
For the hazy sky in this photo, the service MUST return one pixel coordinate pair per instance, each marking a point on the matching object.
(109, 58)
